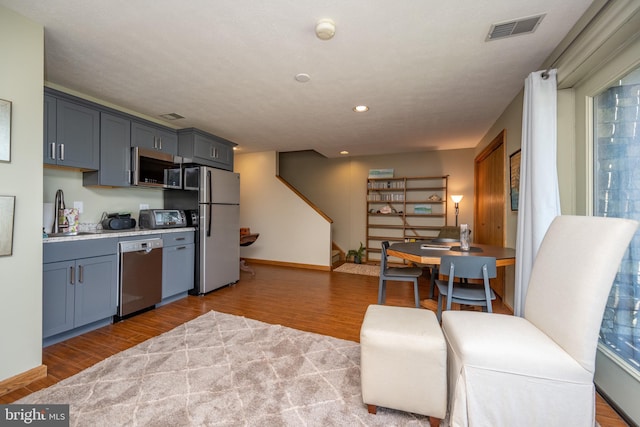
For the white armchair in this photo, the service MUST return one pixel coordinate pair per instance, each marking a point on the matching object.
(538, 370)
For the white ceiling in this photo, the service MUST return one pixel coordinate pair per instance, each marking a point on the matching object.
(228, 66)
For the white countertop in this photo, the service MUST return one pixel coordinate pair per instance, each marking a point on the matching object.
(114, 233)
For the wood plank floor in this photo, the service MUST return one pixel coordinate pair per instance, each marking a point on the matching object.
(316, 301)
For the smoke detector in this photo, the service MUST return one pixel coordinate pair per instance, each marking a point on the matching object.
(325, 29)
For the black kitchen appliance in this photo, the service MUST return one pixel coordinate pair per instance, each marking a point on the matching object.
(118, 221)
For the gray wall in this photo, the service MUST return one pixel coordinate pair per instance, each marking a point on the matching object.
(339, 186)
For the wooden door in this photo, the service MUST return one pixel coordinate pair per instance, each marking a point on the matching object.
(489, 197)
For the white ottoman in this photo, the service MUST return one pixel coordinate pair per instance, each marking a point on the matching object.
(403, 361)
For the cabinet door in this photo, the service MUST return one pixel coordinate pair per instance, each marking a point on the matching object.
(168, 141)
(95, 289)
(143, 136)
(78, 135)
(223, 155)
(213, 153)
(57, 298)
(115, 151)
(50, 151)
(154, 138)
(178, 265)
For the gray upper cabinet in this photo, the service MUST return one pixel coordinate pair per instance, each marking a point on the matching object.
(155, 138)
(205, 148)
(71, 134)
(115, 153)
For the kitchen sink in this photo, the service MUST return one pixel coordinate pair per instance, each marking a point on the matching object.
(70, 234)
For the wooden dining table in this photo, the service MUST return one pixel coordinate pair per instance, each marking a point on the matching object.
(413, 252)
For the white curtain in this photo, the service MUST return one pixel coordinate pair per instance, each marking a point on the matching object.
(539, 200)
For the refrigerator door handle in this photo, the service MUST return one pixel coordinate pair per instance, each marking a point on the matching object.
(209, 204)
(209, 208)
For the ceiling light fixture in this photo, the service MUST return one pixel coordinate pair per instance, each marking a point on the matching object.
(303, 77)
(344, 152)
(360, 108)
(325, 29)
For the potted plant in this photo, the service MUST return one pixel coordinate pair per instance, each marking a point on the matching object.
(357, 254)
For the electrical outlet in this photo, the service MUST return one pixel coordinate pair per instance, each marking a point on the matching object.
(144, 206)
(79, 206)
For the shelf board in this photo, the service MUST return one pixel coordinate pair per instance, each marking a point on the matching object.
(425, 202)
(413, 191)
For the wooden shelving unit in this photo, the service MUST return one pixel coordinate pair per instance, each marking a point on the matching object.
(404, 209)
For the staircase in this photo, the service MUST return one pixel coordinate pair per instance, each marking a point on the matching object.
(337, 256)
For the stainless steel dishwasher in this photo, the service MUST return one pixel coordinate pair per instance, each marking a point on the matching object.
(140, 275)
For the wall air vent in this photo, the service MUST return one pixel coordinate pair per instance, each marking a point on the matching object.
(514, 28)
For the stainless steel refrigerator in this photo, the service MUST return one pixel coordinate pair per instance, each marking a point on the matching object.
(211, 200)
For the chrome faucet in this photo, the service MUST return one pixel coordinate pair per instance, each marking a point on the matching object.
(58, 204)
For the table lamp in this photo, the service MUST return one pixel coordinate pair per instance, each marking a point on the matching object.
(456, 199)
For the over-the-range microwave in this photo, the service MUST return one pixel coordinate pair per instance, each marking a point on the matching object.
(152, 168)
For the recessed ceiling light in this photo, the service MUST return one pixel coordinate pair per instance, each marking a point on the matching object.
(344, 152)
(303, 77)
(360, 108)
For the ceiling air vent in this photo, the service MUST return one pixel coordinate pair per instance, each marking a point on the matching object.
(514, 28)
(171, 116)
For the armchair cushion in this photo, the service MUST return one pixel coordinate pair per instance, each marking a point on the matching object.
(509, 344)
(495, 360)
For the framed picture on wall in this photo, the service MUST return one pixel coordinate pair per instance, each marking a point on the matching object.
(514, 182)
(5, 130)
(7, 206)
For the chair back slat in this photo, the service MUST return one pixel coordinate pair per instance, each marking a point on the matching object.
(469, 267)
(383, 258)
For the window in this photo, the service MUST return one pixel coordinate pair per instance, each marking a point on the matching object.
(617, 194)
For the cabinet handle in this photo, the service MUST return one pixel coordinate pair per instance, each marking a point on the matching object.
(52, 150)
(73, 276)
(61, 151)
(211, 152)
(179, 248)
(180, 238)
(215, 152)
(155, 142)
(80, 274)
(160, 141)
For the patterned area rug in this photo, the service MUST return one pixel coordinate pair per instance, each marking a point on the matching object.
(221, 369)
(365, 269)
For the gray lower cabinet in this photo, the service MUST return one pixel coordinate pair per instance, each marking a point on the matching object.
(115, 153)
(155, 138)
(71, 134)
(205, 148)
(80, 289)
(178, 263)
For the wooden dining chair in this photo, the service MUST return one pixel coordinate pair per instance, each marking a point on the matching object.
(403, 274)
(465, 268)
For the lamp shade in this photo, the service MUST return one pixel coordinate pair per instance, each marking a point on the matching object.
(456, 198)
